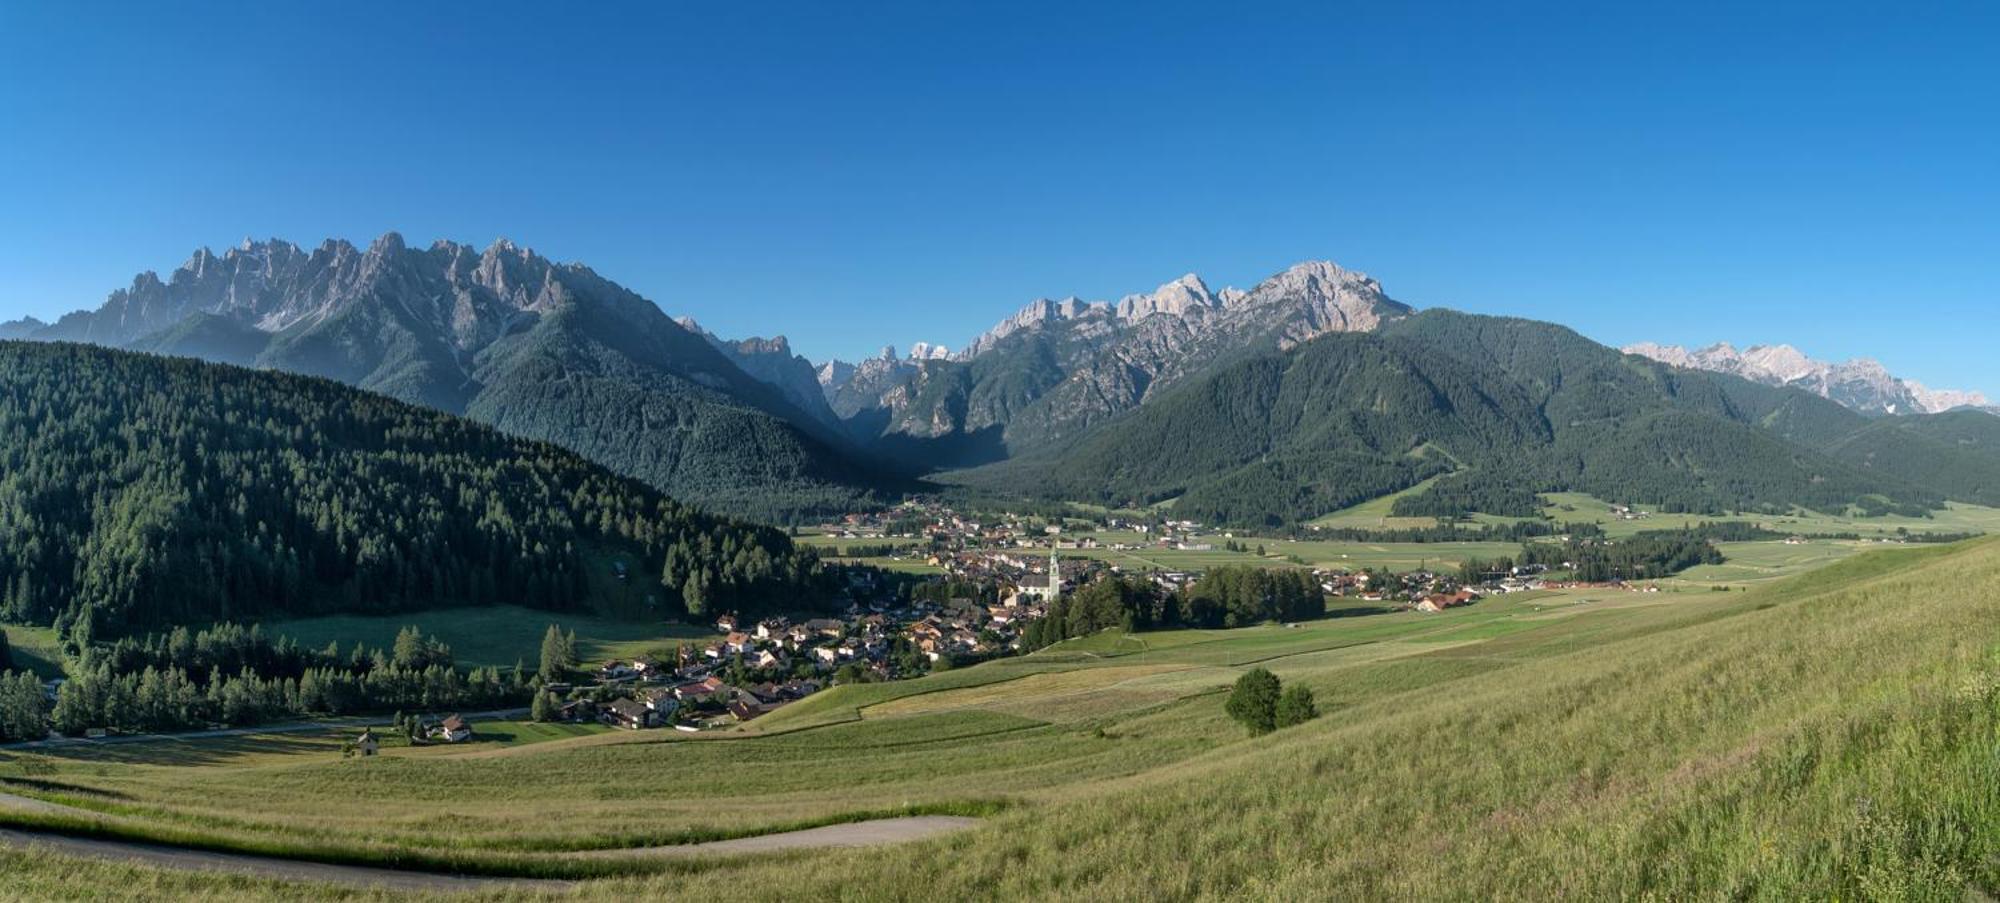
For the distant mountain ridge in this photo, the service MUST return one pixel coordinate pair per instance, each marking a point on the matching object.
(1861, 384)
(1055, 369)
(1309, 391)
(1508, 408)
(546, 350)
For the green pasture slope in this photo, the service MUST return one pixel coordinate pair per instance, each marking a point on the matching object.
(1829, 735)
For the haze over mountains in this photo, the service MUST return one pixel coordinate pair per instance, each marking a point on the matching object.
(1861, 384)
(1305, 393)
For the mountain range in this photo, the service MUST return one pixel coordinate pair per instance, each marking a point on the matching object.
(1861, 384)
(540, 349)
(1307, 392)
(1056, 369)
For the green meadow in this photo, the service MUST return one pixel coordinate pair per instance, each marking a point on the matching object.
(497, 635)
(1824, 735)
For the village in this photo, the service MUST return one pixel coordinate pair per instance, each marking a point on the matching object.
(989, 576)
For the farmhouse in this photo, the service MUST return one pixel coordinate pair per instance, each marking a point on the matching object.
(627, 713)
(452, 730)
(1440, 601)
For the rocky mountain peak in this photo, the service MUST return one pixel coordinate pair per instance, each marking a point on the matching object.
(1861, 383)
(1177, 298)
(391, 242)
(1313, 297)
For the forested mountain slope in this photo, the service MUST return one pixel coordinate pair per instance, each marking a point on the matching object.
(1287, 436)
(507, 336)
(1515, 406)
(1957, 451)
(138, 491)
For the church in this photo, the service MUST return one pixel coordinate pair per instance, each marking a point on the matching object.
(1029, 593)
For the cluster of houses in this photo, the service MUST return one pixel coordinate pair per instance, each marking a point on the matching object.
(757, 667)
(1422, 590)
(644, 693)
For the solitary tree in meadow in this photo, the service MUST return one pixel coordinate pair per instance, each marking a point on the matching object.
(1295, 706)
(1254, 702)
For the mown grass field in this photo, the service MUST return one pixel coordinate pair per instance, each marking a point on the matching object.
(1831, 735)
(1397, 556)
(496, 635)
(832, 546)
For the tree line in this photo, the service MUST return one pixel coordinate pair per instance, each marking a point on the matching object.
(1229, 596)
(1652, 554)
(238, 676)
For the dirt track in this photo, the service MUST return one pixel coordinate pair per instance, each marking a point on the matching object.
(856, 834)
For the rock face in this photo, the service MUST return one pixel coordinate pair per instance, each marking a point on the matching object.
(1861, 384)
(772, 361)
(1056, 368)
(542, 349)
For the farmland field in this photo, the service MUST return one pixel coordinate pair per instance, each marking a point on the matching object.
(1954, 518)
(1824, 735)
(1397, 556)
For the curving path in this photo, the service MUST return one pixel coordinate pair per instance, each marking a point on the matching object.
(854, 834)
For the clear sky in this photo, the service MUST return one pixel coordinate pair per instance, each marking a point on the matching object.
(854, 174)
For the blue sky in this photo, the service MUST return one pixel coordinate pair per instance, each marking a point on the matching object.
(858, 174)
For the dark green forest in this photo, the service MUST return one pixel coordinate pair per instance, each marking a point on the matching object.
(139, 491)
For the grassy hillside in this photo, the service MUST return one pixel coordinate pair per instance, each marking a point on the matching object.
(1825, 736)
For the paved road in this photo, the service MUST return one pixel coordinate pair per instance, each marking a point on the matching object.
(856, 834)
(289, 727)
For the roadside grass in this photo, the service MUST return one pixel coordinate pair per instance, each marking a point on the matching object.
(496, 635)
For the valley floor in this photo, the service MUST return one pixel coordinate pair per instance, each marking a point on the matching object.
(1824, 735)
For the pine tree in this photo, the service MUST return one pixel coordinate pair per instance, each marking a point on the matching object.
(555, 656)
